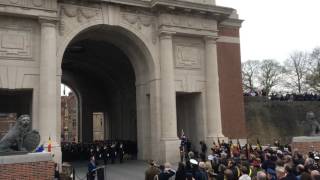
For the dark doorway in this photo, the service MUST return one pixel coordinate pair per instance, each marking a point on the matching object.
(13, 103)
(16, 101)
(189, 117)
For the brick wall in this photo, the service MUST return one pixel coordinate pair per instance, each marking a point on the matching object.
(231, 98)
(306, 147)
(27, 171)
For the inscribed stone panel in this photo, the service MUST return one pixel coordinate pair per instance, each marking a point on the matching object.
(189, 53)
(17, 38)
(15, 42)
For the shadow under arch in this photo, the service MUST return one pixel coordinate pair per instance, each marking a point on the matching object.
(132, 42)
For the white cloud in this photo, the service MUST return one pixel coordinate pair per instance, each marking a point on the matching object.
(275, 28)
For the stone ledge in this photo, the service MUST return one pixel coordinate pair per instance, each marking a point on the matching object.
(306, 139)
(26, 158)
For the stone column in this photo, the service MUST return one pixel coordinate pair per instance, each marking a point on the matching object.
(169, 136)
(214, 127)
(48, 86)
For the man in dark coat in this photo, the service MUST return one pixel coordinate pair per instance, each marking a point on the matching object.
(92, 168)
(166, 172)
(113, 154)
(121, 152)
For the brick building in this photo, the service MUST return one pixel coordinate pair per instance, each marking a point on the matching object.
(69, 118)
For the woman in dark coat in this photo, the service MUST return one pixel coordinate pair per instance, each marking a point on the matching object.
(181, 172)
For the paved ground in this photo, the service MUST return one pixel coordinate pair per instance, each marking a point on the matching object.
(129, 170)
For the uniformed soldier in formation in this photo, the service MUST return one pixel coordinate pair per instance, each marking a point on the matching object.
(104, 151)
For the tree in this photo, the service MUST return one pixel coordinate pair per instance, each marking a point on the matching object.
(249, 74)
(313, 79)
(297, 68)
(270, 74)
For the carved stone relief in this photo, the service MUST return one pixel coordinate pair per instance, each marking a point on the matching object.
(16, 39)
(40, 4)
(189, 53)
(141, 21)
(72, 16)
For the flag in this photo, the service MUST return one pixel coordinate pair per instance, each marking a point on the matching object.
(49, 145)
(259, 145)
(247, 151)
(40, 148)
(238, 145)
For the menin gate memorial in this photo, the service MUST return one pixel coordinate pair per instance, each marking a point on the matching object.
(153, 67)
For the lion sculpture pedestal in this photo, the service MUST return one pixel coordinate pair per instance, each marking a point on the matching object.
(28, 166)
(305, 144)
(311, 142)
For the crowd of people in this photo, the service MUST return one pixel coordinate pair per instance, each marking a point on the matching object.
(228, 161)
(107, 151)
(285, 96)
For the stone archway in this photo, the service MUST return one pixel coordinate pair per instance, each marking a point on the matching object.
(105, 34)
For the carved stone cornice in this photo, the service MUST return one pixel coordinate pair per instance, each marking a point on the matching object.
(231, 22)
(210, 39)
(48, 21)
(30, 8)
(166, 34)
(33, 4)
(211, 11)
(187, 24)
(217, 12)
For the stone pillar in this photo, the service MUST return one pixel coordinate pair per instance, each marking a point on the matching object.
(214, 127)
(169, 138)
(48, 86)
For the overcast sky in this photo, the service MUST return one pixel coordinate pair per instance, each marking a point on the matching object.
(275, 28)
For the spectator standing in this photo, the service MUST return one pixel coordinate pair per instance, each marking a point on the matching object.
(152, 171)
(181, 172)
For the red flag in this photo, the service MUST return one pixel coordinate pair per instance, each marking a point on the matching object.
(49, 145)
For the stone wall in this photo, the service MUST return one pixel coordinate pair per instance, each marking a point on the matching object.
(268, 120)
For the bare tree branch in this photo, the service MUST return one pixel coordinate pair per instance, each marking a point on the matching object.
(249, 74)
(297, 68)
(270, 73)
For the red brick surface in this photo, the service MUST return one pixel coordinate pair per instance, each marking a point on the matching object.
(306, 147)
(231, 96)
(27, 171)
(229, 31)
